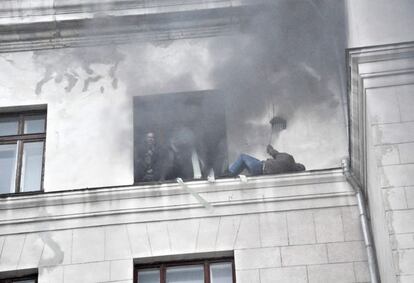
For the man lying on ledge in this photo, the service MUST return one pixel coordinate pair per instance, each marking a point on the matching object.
(281, 163)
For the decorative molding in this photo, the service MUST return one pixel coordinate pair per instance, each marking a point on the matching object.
(372, 67)
(134, 204)
(91, 23)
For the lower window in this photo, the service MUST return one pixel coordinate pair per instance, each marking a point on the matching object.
(203, 271)
(26, 279)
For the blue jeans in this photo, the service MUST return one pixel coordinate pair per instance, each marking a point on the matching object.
(244, 161)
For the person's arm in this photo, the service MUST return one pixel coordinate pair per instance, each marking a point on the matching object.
(166, 163)
(271, 151)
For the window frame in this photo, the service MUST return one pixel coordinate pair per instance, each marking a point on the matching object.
(19, 140)
(162, 266)
(26, 277)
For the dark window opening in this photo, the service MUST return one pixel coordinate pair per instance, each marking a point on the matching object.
(24, 279)
(22, 143)
(179, 135)
(199, 271)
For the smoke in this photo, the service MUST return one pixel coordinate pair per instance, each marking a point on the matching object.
(286, 56)
(286, 60)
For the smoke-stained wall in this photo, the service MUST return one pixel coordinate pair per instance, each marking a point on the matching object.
(287, 61)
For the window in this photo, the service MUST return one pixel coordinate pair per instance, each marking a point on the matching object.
(26, 279)
(22, 142)
(203, 271)
(179, 135)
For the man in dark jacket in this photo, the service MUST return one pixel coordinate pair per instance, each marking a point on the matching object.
(281, 163)
(154, 161)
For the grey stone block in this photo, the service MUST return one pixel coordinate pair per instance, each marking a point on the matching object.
(409, 193)
(10, 254)
(401, 221)
(139, 239)
(382, 104)
(121, 269)
(403, 241)
(397, 175)
(227, 232)
(183, 235)
(257, 258)
(352, 223)
(329, 273)
(248, 235)
(361, 272)
(303, 255)
(346, 252)
(248, 276)
(273, 229)
(207, 234)
(301, 227)
(91, 240)
(57, 248)
(406, 151)
(328, 224)
(406, 279)
(394, 133)
(117, 244)
(32, 251)
(52, 274)
(394, 198)
(159, 238)
(406, 99)
(87, 272)
(406, 262)
(387, 154)
(284, 275)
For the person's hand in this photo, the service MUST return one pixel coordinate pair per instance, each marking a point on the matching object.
(269, 149)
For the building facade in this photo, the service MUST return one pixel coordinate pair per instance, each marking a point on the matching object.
(83, 81)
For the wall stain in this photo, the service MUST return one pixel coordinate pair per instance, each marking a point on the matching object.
(76, 66)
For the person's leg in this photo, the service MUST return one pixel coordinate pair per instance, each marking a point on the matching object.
(237, 167)
(244, 161)
(253, 165)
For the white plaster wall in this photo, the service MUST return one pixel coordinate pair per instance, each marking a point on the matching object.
(379, 22)
(89, 140)
(316, 245)
(295, 228)
(90, 133)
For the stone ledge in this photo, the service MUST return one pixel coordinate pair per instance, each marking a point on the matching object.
(169, 189)
(149, 203)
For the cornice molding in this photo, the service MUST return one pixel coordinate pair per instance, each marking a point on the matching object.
(135, 204)
(88, 23)
(372, 67)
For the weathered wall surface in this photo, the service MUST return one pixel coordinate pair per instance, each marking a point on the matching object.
(386, 79)
(393, 128)
(384, 22)
(88, 90)
(89, 96)
(89, 129)
(299, 228)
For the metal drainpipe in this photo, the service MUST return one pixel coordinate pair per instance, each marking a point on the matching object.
(366, 229)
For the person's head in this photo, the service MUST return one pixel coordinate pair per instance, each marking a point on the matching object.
(183, 138)
(300, 167)
(150, 138)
